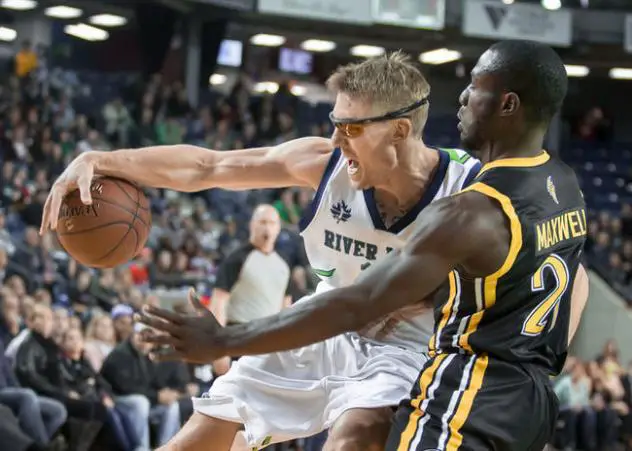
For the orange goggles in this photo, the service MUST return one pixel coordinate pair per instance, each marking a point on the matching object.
(354, 127)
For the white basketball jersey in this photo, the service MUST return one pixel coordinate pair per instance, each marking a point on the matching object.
(344, 233)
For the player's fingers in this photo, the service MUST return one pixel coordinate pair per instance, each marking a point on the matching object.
(165, 315)
(56, 196)
(195, 301)
(166, 355)
(45, 217)
(84, 181)
(157, 323)
(151, 337)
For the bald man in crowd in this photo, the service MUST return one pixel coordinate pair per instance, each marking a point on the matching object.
(253, 281)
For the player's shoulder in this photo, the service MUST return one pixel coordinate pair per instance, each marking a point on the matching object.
(461, 167)
(456, 155)
(307, 159)
(311, 145)
(459, 156)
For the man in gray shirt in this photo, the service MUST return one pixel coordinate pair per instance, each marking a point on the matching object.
(253, 281)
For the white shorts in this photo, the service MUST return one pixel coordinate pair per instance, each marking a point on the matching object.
(293, 394)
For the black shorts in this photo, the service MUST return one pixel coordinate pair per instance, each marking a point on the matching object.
(474, 403)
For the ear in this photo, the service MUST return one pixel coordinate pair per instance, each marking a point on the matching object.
(510, 104)
(403, 129)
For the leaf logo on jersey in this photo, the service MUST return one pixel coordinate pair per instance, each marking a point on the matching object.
(341, 211)
(550, 187)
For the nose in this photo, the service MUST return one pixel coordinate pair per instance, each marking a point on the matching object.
(463, 98)
(337, 138)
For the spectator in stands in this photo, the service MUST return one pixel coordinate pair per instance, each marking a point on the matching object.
(169, 131)
(36, 368)
(100, 340)
(80, 291)
(288, 210)
(573, 392)
(609, 358)
(38, 353)
(25, 60)
(18, 340)
(10, 319)
(176, 376)
(40, 417)
(118, 122)
(122, 320)
(90, 395)
(253, 281)
(61, 321)
(137, 390)
(6, 241)
(607, 401)
(594, 126)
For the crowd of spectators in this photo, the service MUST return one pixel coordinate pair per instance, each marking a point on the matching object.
(595, 403)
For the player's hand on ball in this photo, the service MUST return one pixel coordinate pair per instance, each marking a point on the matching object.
(79, 175)
(182, 337)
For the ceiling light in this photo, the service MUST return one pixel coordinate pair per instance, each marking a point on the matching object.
(86, 32)
(18, 5)
(367, 51)
(439, 56)
(298, 90)
(317, 45)
(508, 2)
(576, 71)
(217, 79)
(267, 40)
(63, 12)
(621, 73)
(266, 86)
(108, 20)
(7, 34)
(551, 4)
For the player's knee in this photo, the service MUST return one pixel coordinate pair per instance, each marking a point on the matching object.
(364, 433)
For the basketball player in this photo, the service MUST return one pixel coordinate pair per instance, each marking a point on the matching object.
(500, 261)
(371, 179)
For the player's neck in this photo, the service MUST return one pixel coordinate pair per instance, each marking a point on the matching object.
(524, 145)
(406, 182)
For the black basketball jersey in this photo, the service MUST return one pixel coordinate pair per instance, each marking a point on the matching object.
(521, 312)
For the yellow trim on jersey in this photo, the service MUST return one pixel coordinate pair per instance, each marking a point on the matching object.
(528, 162)
(467, 401)
(491, 281)
(425, 379)
(445, 313)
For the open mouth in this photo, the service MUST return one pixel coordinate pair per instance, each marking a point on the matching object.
(352, 167)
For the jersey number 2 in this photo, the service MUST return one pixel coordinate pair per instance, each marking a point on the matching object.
(546, 311)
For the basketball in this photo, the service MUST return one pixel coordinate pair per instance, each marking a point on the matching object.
(109, 232)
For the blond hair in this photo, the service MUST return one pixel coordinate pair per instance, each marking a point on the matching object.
(389, 82)
(92, 325)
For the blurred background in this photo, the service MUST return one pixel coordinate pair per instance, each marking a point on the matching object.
(231, 74)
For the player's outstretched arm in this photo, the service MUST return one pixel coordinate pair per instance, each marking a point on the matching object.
(464, 230)
(183, 167)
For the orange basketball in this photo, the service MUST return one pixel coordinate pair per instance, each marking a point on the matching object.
(109, 232)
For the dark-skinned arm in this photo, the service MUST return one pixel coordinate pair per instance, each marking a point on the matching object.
(453, 231)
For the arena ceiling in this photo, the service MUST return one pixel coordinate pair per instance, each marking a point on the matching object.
(244, 24)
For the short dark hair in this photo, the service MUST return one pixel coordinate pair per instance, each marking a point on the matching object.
(535, 72)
